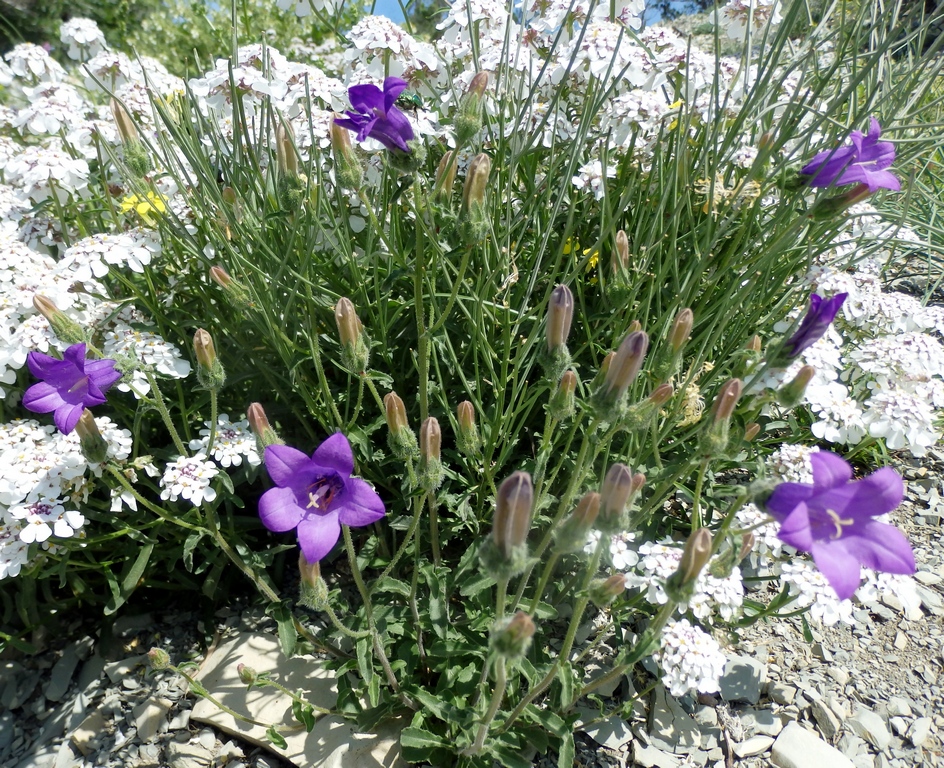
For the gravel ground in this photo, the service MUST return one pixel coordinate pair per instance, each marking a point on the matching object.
(869, 694)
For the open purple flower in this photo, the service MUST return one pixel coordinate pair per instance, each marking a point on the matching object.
(375, 115)
(814, 325)
(316, 495)
(69, 385)
(832, 520)
(862, 163)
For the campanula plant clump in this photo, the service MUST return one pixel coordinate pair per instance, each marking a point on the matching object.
(547, 322)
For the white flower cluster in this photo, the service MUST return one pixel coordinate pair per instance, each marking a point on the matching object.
(232, 443)
(739, 16)
(83, 37)
(811, 590)
(690, 658)
(189, 478)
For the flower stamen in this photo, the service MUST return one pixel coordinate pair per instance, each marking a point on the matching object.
(838, 522)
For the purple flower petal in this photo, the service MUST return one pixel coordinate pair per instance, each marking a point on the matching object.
(284, 464)
(882, 547)
(42, 366)
(42, 398)
(366, 98)
(362, 505)
(376, 116)
(393, 87)
(839, 567)
(829, 470)
(279, 509)
(67, 416)
(861, 163)
(335, 453)
(103, 373)
(795, 529)
(317, 535)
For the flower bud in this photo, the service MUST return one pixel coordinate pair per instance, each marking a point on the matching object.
(229, 197)
(751, 431)
(446, 176)
(626, 365)
(285, 149)
(830, 207)
(314, 591)
(474, 223)
(431, 471)
(754, 345)
(512, 636)
(605, 591)
(661, 395)
(681, 585)
(158, 658)
(247, 675)
(615, 496)
(469, 118)
(620, 263)
(235, 291)
(347, 166)
(123, 122)
(722, 409)
(791, 394)
(505, 552)
(136, 156)
(210, 374)
(91, 443)
(747, 544)
(259, 424)
(681, 329)
(572, 534)
(563, 402)
(400, 437)
(354, 351)
(65, 328)
(468, 440)
(560, 314)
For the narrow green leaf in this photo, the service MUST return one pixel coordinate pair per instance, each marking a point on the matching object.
(390, 584)
(288, 635)
(276, 738)
(565, 675)
(565, 755)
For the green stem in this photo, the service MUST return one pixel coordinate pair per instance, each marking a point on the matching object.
(696, 500)
(197, 688)
(434, 526)
(167, 518)
(497, 695)
(542, 583)
(460, 276)
(339, 626)
(158, 400)
(214, 405)
(501, 595)
(322, 379)
(292, 694)
(417, 511)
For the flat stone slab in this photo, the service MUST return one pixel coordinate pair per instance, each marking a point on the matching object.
(332, 743)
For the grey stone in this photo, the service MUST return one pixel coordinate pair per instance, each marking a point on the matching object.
(838, 674)
(871, 727)
(756, 745)
(920, 730)
(670, 726)
(118, 670)
(60, 676)
(613, 733)
(149, 716)
(781, 693)
(180, 721)
(650, 757)
(797, 747)
(898, 706)
(761, 721)
(743, 679)
(899, 725)
(190, 755)
(706, 716)
(829, 724)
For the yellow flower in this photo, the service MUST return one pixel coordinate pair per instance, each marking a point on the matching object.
(144, 206)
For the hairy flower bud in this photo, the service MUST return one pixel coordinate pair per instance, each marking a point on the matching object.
(605, 591)
(347, 166)
(830, 207)
(210, 374)
(474, 222)
(468, 440)
(469, 118)
(681, 329)
(259, 424)
(65, 328)
(247, 675)
(563, 402)
(722, 409)
(751, 431)
(235, 291)
(615, 496)
(681, 585)
(620, 263)
(572, 534)
(747, 544)
(314, 591)
(560, 315)
(791, 393)
(91, 443)
(158, 658)
(505, 551)
(400, 437)
(512, 636)
(446, 176)
(136, 156)
(285, 148)
(620, 373)
(354, 351)
(431, 470)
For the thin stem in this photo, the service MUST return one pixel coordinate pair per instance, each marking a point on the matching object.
(434, 526)
(322, 379)
(197, 688)
(497, 695)
(213, 418)
(542, 583)
(696, 500)
(114, 471)
(501, 595)
(292, 694)
(417, 510)
(460, 276)
(338, 625)
(165, 414)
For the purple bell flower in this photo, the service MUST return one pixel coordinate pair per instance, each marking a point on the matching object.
(69, 385)
(814, 325)
(862, 163)
(376, 116)
(316, 495)
(832, 519)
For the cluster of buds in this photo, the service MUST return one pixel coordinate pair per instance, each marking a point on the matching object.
(347, 166)
(291, 183)
(560, 316)
(210, 373)
(354, 348)
(65, 328)
(431, 468)
(467, 440)
(680, 586)
(505, 553)
(136, 156)
(469, 119)
(473, 222)
(400, 437)
(263, 431)
(235, 291)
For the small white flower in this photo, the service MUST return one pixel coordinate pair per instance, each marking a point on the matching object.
(93, 255)
(591, 176)
(33, 63)
(233, 442)
(738, 15)
(83, 37)
(811, 589)
(189, 478)
(903, 419)
(690, 658)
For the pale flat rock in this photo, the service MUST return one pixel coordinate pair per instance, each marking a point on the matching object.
(797, 747)
(871, 727)
(671, 728)
(148, 717)
(88, 732)
(743, 679)
(920, 731)
(612, 733)
(756, 745)
(650, 757)
(333, 743)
